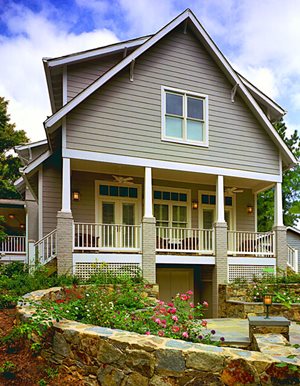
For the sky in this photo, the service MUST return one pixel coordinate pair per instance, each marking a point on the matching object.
(260, 38)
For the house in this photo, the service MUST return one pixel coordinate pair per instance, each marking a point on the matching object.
(156, 151)
(293, 240)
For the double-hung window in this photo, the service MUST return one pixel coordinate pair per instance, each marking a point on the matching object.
(185, 117)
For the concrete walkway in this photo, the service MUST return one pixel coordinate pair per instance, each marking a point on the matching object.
(237, 330)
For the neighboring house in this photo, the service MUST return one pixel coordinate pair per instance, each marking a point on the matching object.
(293, 239)
(156, 151)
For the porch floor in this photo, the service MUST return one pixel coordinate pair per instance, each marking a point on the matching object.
(236, 331)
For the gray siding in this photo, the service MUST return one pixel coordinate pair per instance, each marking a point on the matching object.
(84, 210)
(293, 239)
(51, 192)
(32, 213)
(124, 117)
(244, 221)
(82, 75)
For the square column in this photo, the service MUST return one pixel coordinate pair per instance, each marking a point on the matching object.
(64, 243)
(148, 232)
(220, 275)
(66, 185)
(281, 250)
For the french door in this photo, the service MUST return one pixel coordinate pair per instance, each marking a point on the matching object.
(117, 218)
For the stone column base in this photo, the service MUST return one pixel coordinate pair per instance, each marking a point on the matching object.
(149, 249)
(64, 243)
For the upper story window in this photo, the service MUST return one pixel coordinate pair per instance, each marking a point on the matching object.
(184, 117)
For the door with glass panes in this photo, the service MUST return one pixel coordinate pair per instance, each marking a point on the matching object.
(117, 217)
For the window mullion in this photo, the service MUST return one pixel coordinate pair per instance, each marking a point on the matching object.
(185, 117)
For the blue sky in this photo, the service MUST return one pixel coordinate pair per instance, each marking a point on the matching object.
(260, 39)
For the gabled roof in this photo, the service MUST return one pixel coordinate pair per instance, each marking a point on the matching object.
(188, 17)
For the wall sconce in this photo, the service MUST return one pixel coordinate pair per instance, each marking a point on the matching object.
(11, 216)
(76, 196)
(267, 299)
(249, 209)
(195, 204)
(22, 226)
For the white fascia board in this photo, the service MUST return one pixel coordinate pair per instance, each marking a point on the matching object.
(49, 85)
(32, 144)
(94, 53)
(149, 43)
(101, 257)
(117, 68)
(292, 229)
(261, 95)
(251, 261)
(185, 259)
(19, 182)
(37, 162)
(157, 164)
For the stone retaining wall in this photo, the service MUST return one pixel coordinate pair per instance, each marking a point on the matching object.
(102, 356)
(232, 305)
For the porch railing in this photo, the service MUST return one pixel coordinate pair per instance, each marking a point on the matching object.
(292, 258)
(13, 245)
(251, 243)
(106, 237)
(188, 240)
(46, 248)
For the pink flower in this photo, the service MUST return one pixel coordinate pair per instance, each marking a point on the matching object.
(190, 317)
(185, 334)
(204, 323)
(175, 318)
(161, 333)
(175, 328)
(157, 320)
(172, 310)
(164, 321)
(183, 297)
(171, 304)
(205, 304)
(161, 302)
(163, 310)
(192, 305)
(147, 333)
(189, 292)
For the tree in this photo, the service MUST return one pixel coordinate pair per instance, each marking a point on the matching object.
(290, 188)
(9, 163)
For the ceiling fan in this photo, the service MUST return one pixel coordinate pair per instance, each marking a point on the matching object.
(123, 180)
(233, 190)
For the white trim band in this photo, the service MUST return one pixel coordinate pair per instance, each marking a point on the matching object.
(145, 162)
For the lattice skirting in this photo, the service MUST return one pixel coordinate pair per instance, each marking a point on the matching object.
(86, 270)
(247, 272)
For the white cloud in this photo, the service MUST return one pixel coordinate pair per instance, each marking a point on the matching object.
(34, 36)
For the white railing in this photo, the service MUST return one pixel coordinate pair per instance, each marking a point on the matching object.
(13, 245)
(46, 248)
(187, 240)
(251, 243)
(292, 261)
(106, 237)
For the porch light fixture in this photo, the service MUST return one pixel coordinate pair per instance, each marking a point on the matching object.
(249, 209)
(22, 226)
(76, 196)
(195, 204)
(11, 216)
(267, 299)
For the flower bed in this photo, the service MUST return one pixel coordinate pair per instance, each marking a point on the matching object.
(128, 307)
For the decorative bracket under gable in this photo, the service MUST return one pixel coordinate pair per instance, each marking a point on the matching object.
(131, 70)
(233, 92)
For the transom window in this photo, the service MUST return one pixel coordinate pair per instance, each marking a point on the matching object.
(184, 117)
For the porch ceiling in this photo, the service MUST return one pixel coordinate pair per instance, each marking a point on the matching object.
(168, 175)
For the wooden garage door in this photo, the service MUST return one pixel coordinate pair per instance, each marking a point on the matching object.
(172, 281)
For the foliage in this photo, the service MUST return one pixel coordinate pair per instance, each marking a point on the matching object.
(290, 188)
(128, 307)
(2, 232)
(9, 164)
(7, 370)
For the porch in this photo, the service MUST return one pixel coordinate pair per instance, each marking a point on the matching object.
(13, 248)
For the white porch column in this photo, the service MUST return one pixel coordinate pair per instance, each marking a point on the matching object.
(66, 185)
(278, 215)
(220, 199)
(148, 210)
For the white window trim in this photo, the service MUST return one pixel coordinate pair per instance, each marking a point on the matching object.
(210, 206)
(204, 143)
(186, 203)
(99, 199)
